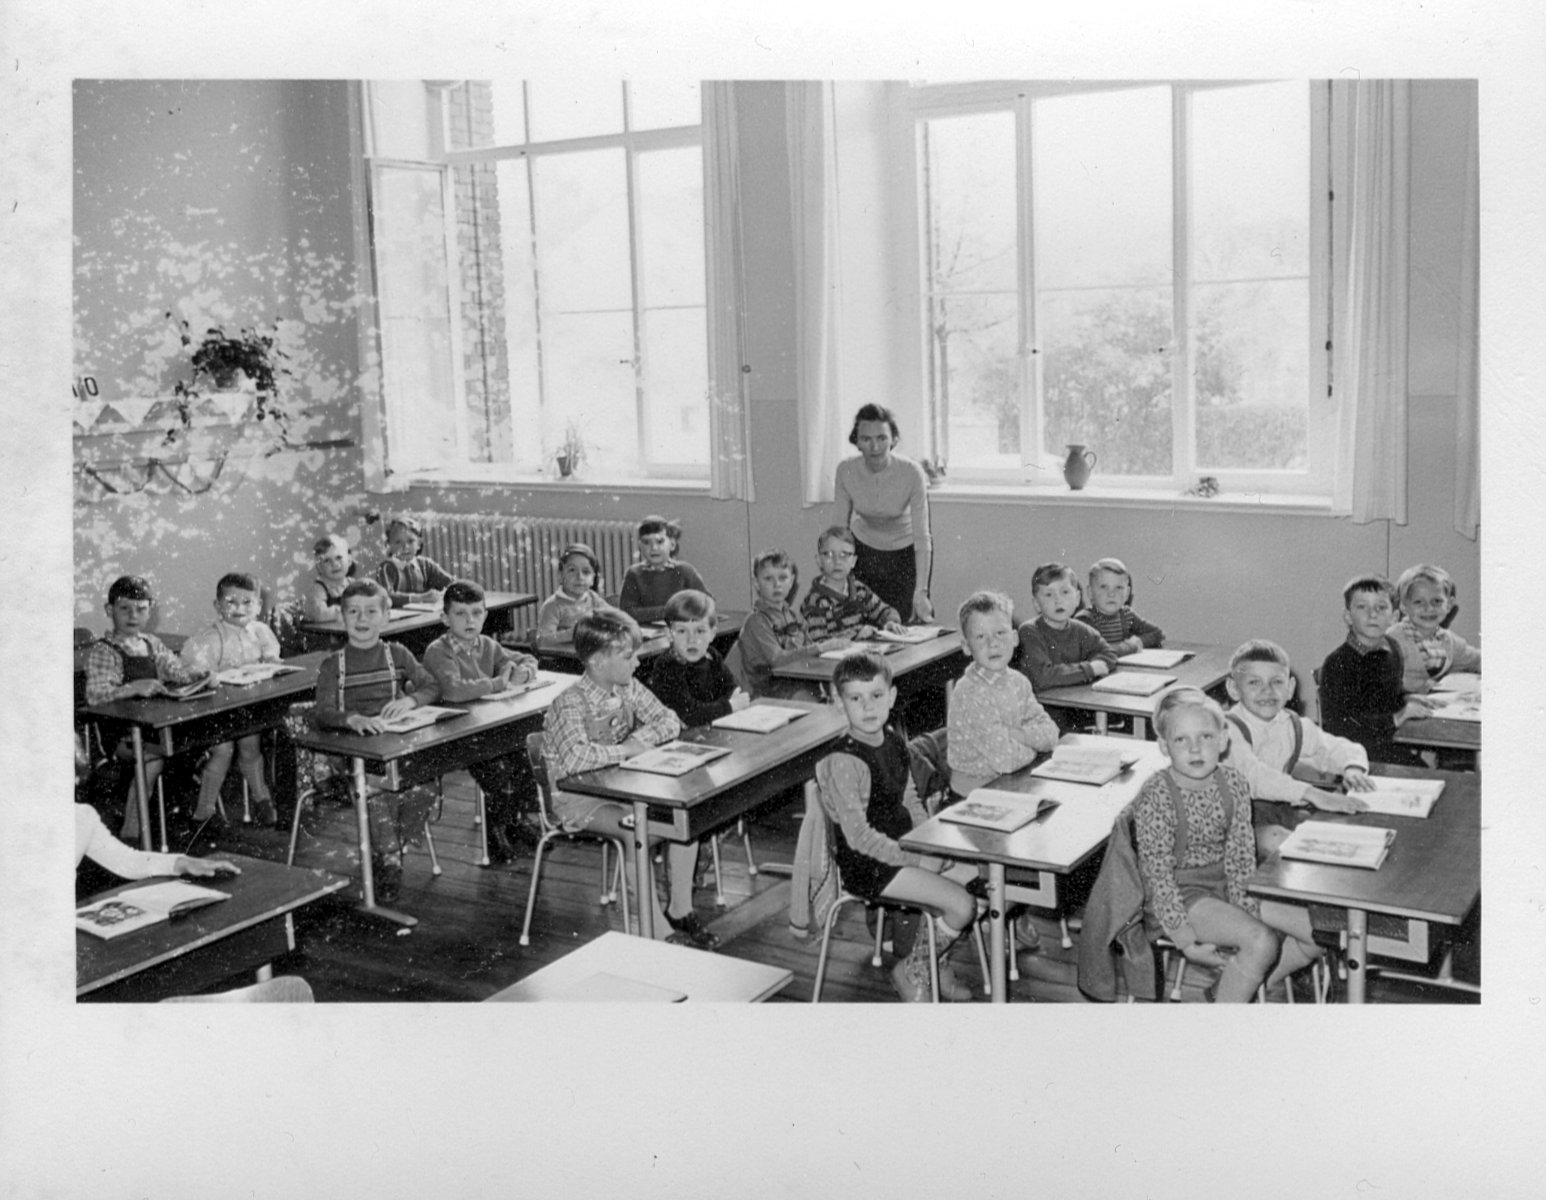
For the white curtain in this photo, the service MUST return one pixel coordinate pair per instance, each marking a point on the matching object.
(810, 127)
(1468, 400)
(730, 463)
(1371, 140)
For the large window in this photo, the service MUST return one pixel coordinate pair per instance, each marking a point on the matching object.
(1136, 268)
(540, 262)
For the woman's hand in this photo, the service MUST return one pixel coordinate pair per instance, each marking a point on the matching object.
(923, 609)
(204, 866)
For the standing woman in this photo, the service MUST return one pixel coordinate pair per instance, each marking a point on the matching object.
(884, 497)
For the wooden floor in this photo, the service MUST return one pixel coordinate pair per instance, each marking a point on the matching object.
(466, 945)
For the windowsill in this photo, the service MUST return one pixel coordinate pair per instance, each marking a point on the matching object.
(457, 478)
(1107, 497)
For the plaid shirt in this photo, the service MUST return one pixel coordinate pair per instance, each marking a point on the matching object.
(104, 666)
(571, 748)
(991, 714)
(830, 613)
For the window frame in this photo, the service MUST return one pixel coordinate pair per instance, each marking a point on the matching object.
(1040, 467)
(632, 143)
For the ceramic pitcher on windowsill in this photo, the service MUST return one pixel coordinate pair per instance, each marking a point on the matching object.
(1078, 465)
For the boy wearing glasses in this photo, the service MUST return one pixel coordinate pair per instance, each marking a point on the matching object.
(838, 605)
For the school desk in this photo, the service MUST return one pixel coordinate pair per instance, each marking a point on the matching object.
(486, 729)
(1052, 845)
(684, 808)
(615, 966)
(1440, 733)
(558, 653)
(1205, 669)
(227, 713)
(922, 665)
(416, 629)
(245, 933)
(1431, 873)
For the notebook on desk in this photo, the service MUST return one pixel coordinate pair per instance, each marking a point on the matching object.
(1133, 683)
(1004, 812)
(674, 758)
(140, 907)
(760, 718)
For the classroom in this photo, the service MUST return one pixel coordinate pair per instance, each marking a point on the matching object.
(915, 247)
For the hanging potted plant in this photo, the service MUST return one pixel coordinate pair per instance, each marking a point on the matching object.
(221, 362)
(571, 451)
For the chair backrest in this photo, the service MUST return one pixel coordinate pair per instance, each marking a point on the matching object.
(927, 758)
(736, 665)
(539, 772)
(83, 636)
(282, 989)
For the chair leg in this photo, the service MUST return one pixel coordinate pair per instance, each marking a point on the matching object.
(880, 931)
(719, 886)
(531, 893)
(246, 804)
(928, 919)
(746, 840)
(161, 806)
(480, 819)
(620, 884)
(1068, 942)
(1175, 992)
(295, 824)
(429, 844)
(608, 895)
(826, 943)
(982, 958)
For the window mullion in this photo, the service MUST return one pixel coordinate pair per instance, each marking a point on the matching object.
(1183, 414)
(636, 300)
(1029, 351)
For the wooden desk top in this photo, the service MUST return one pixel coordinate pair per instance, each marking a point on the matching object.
(1439, 731)
(753, 754)
(161, 712)
(704, 977)
(410, 620)
(482, 715)
(1063, 838)
(1208, 667)
(262, 891)
(1433, 870)
(901, 662)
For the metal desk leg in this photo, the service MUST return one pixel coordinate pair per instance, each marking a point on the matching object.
(1357, 953)
(368, 903)
(142, 791)
(998, 906)
(1140, 728)
(643, 874)
(1100, 722)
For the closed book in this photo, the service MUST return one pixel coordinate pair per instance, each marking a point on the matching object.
(251, 673)
(1133, 683)
(1161, 659)
(910, 635)
(1339, 845)
(518, 689)
(759, 718)
(426, 714)
(1083, 764)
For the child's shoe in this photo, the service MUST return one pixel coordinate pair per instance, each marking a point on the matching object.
(910, 977)
(388, 874)
(1027, 936)
(264, 813)
(690, 931)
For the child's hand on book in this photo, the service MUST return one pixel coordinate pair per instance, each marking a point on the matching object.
(1415, 708)
(360, 723)
(1099, 667)
(400, 707)
(864, 632)
(144, 688)
(739, 700)
(1356, 779)
(1334, 801)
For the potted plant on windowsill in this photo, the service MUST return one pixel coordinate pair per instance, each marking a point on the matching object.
(222, 362)
(571, 451)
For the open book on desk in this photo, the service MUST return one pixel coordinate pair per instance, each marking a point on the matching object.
(190, 691)
(910, 635)
(251, 673)
(424, 715)
(1339, 845)
(1133, 683)
(867, 647)
(1401, 797)
(759, 718)
(1084, 764)
(139, 907)
(1003, 812)
(518, 689)
(1456, 706)
(674, 758)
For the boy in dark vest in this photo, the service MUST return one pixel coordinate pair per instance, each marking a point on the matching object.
(1267, 741)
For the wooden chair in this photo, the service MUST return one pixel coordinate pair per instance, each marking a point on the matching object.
(282, 989)
(611, 882)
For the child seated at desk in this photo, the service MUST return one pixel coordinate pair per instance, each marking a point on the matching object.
(130, 663)
(408, 576)
(650, 583)
(235, 639)
(1362, 694)
(579, 573)
(604, 718)
(1192, 824)
(334, 568)
(468, 664)
(867, 790)
(367, 682)
(1109, 610)
(690, 678)
(995, 724)
(839, 605)
(774, 633)
(1429, 651)
(1058, 650)
(1268, 741)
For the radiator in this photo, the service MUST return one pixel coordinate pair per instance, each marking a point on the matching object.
(520, 554)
